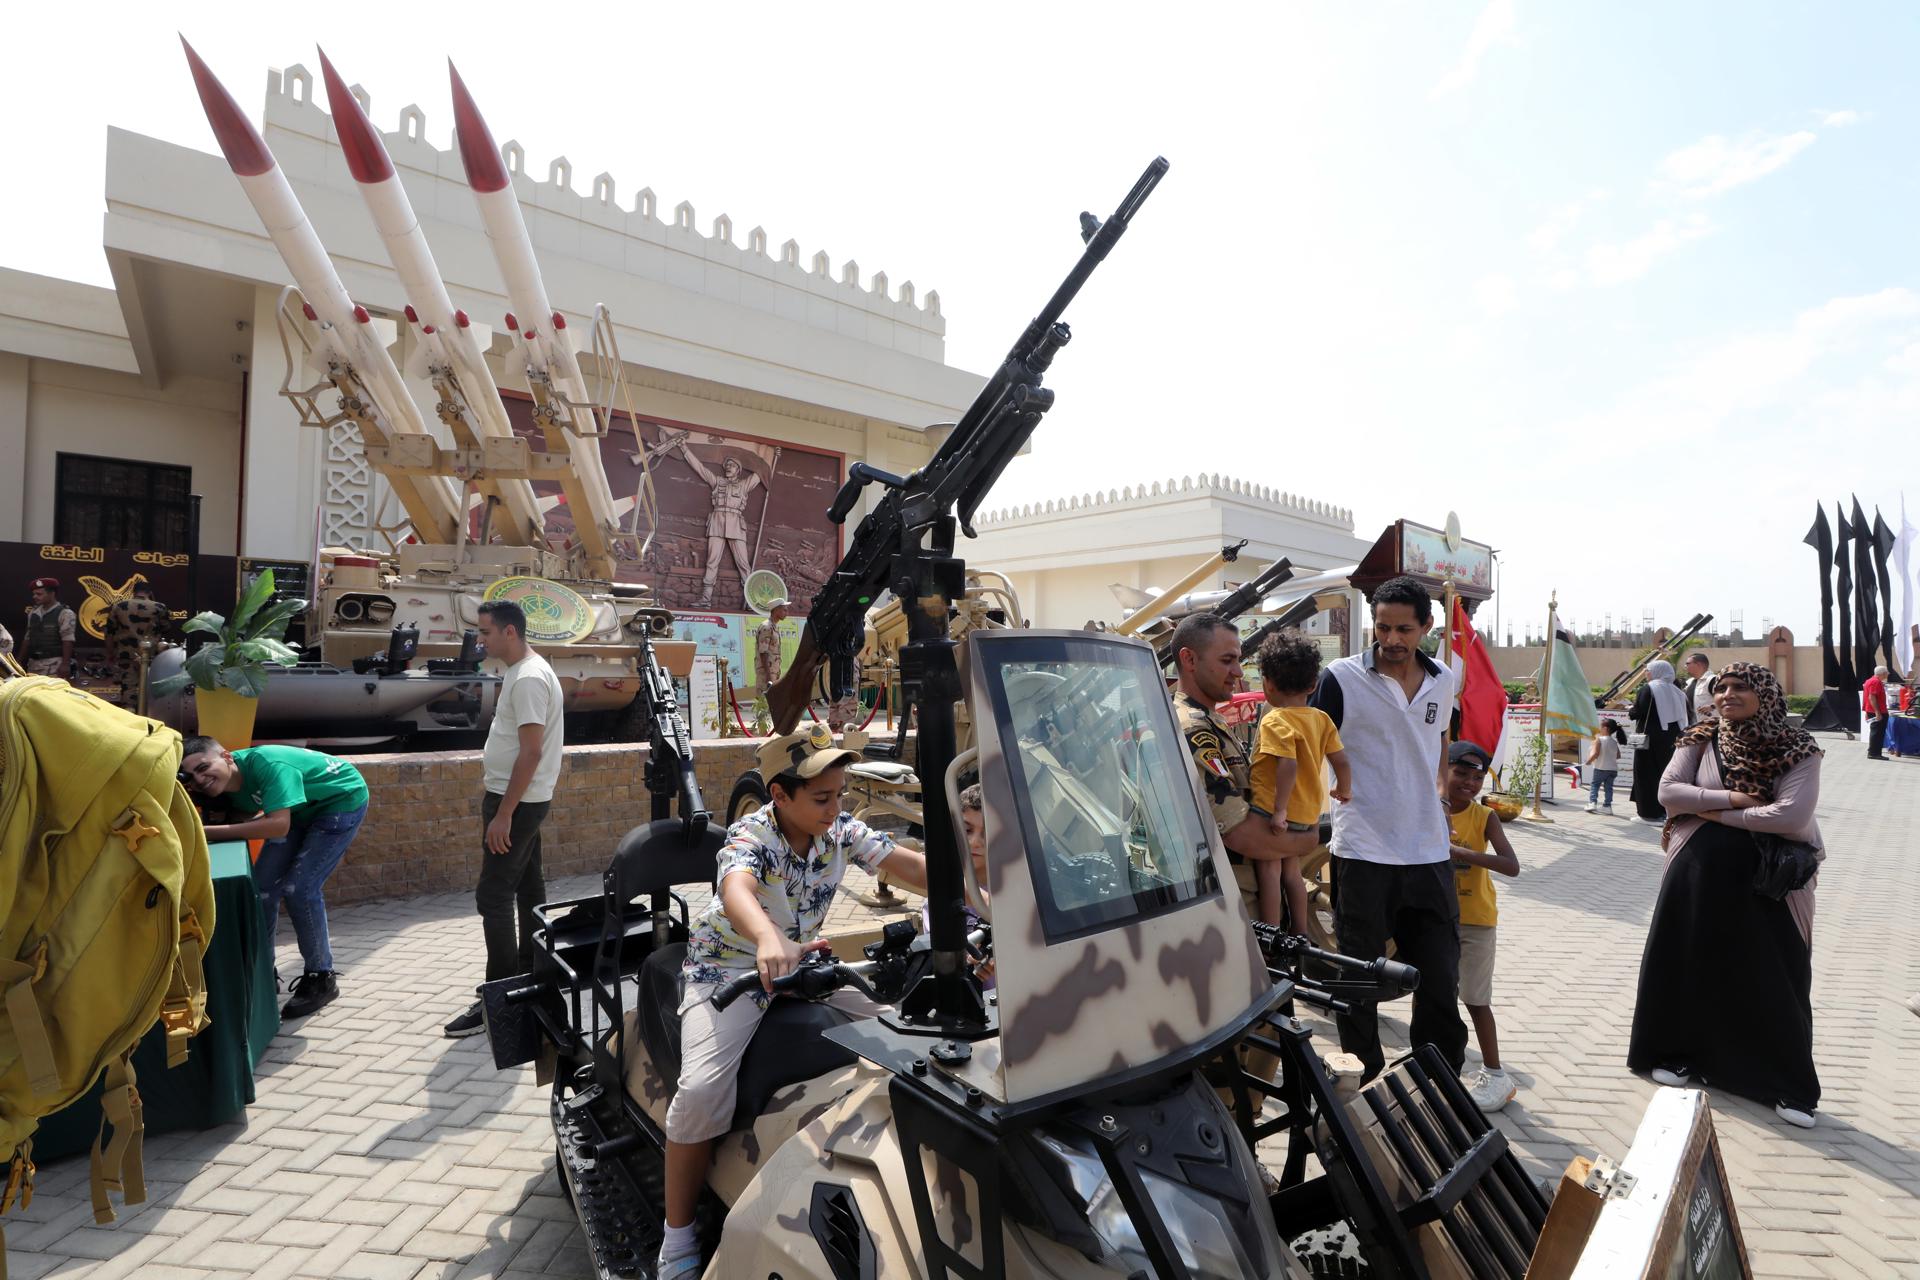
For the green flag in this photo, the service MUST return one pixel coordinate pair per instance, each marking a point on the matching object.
(1569, 699)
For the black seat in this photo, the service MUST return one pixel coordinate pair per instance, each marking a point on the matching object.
(787, 1048)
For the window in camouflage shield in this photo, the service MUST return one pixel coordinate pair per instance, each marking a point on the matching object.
(1100, 781)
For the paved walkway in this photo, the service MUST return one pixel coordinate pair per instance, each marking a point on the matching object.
(377, 1149)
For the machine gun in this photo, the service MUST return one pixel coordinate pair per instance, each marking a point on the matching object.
(905, 545)
(669, 771)
(956, 478)
(1627, 679)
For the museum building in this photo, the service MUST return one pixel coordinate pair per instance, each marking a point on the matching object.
(117, 405)
(1066, 556)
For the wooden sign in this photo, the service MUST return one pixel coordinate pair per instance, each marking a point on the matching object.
(1676, 1219)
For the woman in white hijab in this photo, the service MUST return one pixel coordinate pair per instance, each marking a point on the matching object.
(1660, 712)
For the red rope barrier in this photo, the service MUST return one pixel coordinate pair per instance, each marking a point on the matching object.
(735, 703)
(875, 710)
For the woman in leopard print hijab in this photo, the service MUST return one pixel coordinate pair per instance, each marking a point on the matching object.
(1726, 981)
(1754, 752)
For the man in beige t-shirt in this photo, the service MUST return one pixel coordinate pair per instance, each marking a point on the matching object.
(519, 766)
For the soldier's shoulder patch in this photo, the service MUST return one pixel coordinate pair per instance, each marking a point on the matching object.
(1202, 736)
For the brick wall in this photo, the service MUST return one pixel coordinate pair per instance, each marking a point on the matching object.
(422, 832)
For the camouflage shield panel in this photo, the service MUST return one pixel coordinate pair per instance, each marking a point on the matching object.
(1115, 924)
(739, 1156)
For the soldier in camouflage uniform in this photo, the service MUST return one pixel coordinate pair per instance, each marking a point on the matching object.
(129, 622)
(766, 649)
(47, 647)
(1207, 651)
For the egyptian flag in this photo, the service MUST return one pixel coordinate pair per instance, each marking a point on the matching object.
(1483, 699)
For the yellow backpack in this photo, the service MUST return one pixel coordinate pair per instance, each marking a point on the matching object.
(106, 904)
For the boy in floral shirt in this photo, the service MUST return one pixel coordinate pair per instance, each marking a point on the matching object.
(777, 875)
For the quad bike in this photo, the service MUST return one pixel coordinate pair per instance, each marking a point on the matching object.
(1069, 1123)
(1077, 1129)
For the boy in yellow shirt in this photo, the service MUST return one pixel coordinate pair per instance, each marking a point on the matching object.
(1474, 827)
(1300, 741)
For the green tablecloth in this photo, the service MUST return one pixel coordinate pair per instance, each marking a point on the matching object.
(215, 1084)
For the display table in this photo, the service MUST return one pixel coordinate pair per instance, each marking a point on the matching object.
(215, 1083)
(1903, 735)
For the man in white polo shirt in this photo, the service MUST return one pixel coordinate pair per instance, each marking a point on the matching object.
(520, 765)
(1393, 878)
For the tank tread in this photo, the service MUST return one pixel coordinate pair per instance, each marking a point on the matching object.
(616, 1197)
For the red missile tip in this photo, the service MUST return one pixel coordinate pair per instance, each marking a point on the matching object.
(559, 321)
(366, 155)
(478, 154)
(413, 317)
(511, 322)
(306, 309)
(360, 314)
(460, 318)
(246, 153)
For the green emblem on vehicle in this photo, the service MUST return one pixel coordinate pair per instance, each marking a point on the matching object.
(556, 614)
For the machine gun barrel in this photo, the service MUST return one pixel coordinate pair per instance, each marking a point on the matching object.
(670, 771)
(956, 479)
(1627, 679)
(1238, 601)
(1249, 594)
(1367, 981)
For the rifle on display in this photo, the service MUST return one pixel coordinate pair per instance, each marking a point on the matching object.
(1242, 598)
(1296, 613)
(669, 771)
(957, 478)
(1627, 679)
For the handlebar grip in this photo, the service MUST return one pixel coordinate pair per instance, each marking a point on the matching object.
(735, 989)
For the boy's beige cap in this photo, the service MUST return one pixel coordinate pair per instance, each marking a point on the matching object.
(806, 753)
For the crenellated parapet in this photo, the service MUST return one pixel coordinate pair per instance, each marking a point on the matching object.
(629, 236)
(1183, 487)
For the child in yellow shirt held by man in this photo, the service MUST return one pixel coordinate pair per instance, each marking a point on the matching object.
(1296, 745)
(1474, 827)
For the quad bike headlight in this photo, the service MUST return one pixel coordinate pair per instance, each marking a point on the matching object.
(1200, 1224)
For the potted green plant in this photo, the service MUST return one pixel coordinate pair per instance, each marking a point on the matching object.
(229, 673)
(1514, 786)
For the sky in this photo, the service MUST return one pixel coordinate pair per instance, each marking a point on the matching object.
(1629, 287)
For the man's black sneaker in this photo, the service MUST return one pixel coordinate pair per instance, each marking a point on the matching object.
(470, 1023)
(311, 993)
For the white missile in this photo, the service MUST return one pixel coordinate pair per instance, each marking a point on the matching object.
(540, 331)
(342, 330)
(445, 332)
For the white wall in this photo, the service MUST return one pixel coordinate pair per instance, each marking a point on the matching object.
(1064, 556)
(71, 409)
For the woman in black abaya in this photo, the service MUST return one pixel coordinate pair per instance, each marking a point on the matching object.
(1726, 983)
(1660, 712)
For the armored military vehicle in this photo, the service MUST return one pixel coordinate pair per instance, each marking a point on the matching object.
(395, 650)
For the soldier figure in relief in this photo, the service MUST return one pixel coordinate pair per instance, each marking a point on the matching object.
(727, 523)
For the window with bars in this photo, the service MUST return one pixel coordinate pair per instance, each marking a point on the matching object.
(115, 502)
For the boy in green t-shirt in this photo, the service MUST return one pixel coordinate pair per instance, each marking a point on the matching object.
(308, 807)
